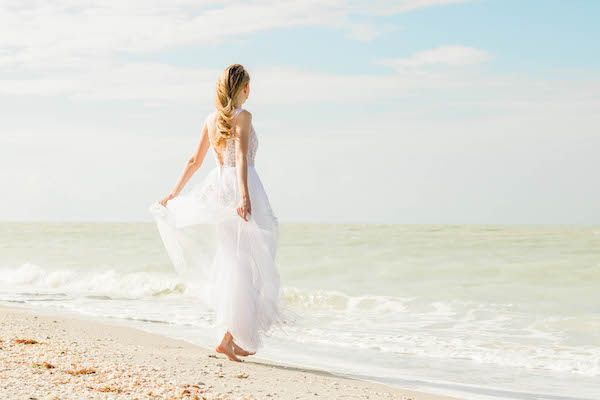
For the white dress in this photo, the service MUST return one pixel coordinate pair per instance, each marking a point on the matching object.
(230, 260)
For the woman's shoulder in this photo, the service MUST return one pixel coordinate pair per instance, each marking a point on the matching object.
(244, 115)
(210, 118)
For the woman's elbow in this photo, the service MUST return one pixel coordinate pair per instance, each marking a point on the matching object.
(193, 162)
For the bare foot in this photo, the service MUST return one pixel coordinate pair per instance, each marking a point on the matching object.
(241, 352)
(226, 347)
(228, 351)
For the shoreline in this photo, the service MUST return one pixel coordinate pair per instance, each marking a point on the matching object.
(77, 358)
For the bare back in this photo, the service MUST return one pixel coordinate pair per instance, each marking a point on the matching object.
(227, 156)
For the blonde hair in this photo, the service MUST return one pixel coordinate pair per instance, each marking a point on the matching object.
(229, 85)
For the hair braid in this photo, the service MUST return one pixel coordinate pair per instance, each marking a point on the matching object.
(229, 85)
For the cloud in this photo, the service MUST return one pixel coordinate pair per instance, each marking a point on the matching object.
(63, 48)
(65, 34)
(385, 7)
(443, 55)
(79, 50)
(163, 82)
(418, 90)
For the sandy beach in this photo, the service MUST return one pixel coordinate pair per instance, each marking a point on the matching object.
(46, 356)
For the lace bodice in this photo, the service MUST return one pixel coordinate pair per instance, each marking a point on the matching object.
(228, 152)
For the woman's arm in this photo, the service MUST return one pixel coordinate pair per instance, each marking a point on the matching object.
(192, 165)
(242, 126)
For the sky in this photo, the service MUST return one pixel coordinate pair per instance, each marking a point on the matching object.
(409, 111)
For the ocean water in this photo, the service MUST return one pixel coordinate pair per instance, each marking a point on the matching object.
(482, 312)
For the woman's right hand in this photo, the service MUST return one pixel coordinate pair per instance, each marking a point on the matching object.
(168, 197)
(244, 208)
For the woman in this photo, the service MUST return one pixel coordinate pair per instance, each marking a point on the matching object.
(243, 281)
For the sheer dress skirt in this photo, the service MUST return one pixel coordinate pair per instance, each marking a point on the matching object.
(228, 261)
